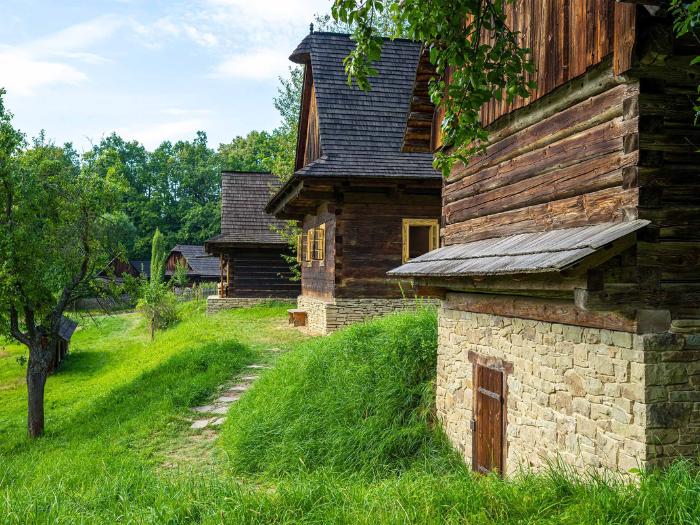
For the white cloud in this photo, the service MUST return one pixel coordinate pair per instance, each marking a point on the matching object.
(55, 58)
(260, 64)
(151, 135)
(22, 74)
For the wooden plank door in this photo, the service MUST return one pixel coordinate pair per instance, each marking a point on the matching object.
(489, 420)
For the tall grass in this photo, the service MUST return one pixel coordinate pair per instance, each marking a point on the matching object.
(359, 401)
(341, 431)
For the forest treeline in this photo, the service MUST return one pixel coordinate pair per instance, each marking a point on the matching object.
(176, 187)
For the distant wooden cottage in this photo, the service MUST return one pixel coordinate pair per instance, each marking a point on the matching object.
(201, 267)
(570, 328)
(60, 349)
(249, 251)
(117, 268)
(362, 204)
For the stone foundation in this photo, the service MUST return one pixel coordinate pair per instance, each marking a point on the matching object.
(592, 398)
(326, 316)
(216, 303)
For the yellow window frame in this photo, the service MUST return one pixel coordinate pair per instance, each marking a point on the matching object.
(319, 250)
(309, 246)
(433, 242)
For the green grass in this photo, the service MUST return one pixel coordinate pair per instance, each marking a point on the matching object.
(341, 431)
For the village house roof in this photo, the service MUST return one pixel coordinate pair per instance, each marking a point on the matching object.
(243, 217)
(360, 132)
(66, 328)
(142, 267)
(541, 252)
(198, 260)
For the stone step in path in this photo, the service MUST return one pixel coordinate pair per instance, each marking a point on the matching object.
(214, 414)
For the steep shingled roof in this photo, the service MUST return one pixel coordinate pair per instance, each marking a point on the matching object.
(198, 260)
(243, 217)
(361, 132)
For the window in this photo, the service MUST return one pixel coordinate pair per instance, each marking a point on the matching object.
(319, 243)
(300, 247)
(309, 245)
(419, 236)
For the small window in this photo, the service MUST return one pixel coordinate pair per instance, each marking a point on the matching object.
(319, 243)
(419, 236)
(309, 245)
(299, 248)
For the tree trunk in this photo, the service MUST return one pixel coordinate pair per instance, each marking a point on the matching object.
(37, 371)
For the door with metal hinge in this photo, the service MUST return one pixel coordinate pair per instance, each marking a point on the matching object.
(489, 420)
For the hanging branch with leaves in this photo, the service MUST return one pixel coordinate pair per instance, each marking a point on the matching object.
(468, 38)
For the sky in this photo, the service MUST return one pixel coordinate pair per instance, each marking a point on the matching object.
(151, 70)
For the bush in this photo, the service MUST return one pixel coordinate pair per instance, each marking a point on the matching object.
(357, 401)
(158, 305)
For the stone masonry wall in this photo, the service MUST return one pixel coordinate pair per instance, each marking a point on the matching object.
(593, 398)
(671, 369)
(324, 317)
(216, 303)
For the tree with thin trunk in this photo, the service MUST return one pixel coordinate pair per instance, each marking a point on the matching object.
(53, 243)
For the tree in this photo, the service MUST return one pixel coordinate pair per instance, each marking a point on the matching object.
(52, 245)
(469, 37)
(156, 302)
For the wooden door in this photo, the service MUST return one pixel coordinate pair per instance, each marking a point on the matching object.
(489, 419)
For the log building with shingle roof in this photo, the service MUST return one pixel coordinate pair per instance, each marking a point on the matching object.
(570, 262)
(362, 204)
(249, 251)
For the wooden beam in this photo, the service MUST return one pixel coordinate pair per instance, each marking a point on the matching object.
(539, 309)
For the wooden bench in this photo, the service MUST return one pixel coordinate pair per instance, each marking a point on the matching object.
(297, 317)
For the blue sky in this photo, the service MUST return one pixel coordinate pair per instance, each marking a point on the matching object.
(149, 70)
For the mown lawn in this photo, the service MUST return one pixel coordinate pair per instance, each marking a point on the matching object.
(340, 431)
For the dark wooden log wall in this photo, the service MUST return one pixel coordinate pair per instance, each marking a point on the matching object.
(669, 167)
(369, 239)
(551, 168)
(260, 272)
(318, 279)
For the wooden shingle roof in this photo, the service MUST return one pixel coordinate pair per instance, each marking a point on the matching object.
(200, 263)
(361, 132)
(243, 217)
(540, 252)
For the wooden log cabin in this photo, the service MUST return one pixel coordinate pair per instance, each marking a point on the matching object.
(250, 249)
(362, 204)
(570, 258)
(201, 267)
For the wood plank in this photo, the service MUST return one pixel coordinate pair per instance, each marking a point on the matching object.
(538, 309)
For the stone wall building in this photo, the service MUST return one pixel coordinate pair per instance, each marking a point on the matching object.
(363, 204)
(570, 262)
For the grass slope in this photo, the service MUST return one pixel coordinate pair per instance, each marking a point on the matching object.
(356, 402)
(339, 432)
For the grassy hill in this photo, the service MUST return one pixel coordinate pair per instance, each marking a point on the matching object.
(340, 431)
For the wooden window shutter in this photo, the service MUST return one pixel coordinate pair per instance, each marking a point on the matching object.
(320, 243)
(299, 247)
(309, 245)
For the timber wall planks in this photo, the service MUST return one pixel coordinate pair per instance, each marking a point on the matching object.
(566, 169)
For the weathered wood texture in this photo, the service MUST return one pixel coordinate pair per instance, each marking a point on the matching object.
(259, 272)
(566, 38)
(364, 239)
(565, 169)
(624, 148)
(318, 277)
(668, 172)
(312, 146)
(489, 407)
